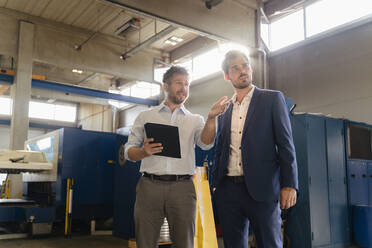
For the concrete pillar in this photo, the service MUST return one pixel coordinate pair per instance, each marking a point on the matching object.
(21, 92)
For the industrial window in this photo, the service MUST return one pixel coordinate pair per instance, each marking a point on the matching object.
(206, 64)
(139, 89)
(5, 106)
(158, 73)
(321, 16)
(287, 30)
(48, 111)
(327, 14)
(40, 110)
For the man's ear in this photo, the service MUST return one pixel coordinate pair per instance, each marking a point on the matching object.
(227, 78)
(165, 87)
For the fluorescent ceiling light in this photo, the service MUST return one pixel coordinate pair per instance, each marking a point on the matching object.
(169, 42)
(77, 71)
(176, 39)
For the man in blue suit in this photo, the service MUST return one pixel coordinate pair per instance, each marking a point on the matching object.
(255, 172)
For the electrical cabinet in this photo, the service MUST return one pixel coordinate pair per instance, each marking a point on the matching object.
(320, 217)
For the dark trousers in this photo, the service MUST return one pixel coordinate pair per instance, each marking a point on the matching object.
(158, 199)
(237, 209)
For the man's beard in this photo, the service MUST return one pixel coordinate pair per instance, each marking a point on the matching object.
(175, 100)
(242, 86)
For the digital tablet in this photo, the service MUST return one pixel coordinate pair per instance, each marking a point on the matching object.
(168, 136)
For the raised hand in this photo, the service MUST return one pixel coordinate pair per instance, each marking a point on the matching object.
(219, 107)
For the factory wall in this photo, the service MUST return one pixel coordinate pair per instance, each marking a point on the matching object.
(330, 76)
(203, 95)
(95, 117)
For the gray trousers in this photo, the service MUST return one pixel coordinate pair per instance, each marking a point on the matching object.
(158, 199)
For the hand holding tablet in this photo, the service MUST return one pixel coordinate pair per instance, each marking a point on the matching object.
(167, 136)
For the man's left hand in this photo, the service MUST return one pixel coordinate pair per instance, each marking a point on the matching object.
(219, 107)
(288, 197)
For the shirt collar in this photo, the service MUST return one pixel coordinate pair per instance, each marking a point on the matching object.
(248, 96)
(163, 107)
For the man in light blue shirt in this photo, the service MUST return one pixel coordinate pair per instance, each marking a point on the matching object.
(166, 188)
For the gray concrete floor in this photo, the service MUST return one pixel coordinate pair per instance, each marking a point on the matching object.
(61, 242)
(75, 242)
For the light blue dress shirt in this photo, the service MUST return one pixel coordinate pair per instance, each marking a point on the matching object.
(190, 127)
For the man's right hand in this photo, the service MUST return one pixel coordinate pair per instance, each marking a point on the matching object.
(151, 148)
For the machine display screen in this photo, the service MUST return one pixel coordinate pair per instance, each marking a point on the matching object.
(360, 142)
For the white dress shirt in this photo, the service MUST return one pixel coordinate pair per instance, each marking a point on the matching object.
(239, 113)
(190, 127)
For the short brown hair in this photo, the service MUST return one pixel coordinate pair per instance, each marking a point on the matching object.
(229, 56)
(173, 70)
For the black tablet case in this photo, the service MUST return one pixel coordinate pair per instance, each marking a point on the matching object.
(168, 136)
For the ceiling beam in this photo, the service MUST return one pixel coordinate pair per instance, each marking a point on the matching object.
(41, 84)
(216, 23)
(148, 42)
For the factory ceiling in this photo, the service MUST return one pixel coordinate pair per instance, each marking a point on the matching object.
(104, 18)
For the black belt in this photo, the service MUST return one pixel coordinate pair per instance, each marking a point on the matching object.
(169, 178)
(236, 179)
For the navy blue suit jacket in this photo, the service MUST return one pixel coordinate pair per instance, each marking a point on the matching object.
(268, 154)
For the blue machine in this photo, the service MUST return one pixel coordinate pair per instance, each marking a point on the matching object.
(126, 178)
(321, 217)
(89, 158)
(359, 171)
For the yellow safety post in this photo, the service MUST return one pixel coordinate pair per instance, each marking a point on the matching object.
(7, 188)
(68, 214)
(205, 230)
(67, 206)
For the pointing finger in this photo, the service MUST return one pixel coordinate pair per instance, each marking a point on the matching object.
(222, 100)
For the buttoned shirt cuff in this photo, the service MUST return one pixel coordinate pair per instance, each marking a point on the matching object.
(126, 152)
(204, 146)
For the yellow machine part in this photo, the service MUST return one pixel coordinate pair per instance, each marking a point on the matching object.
(205, 229)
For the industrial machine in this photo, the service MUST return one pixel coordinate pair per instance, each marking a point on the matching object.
(25, 210)
(321, 216)
(359, 175)
(87, 159)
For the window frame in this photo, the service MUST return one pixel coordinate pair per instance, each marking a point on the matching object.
(316, 37)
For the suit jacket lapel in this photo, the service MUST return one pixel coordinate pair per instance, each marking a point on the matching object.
(252, 108)
(227, 122)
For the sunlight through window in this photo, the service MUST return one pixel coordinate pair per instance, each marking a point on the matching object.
(327, 14)
(287, 30)
(5, 106)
